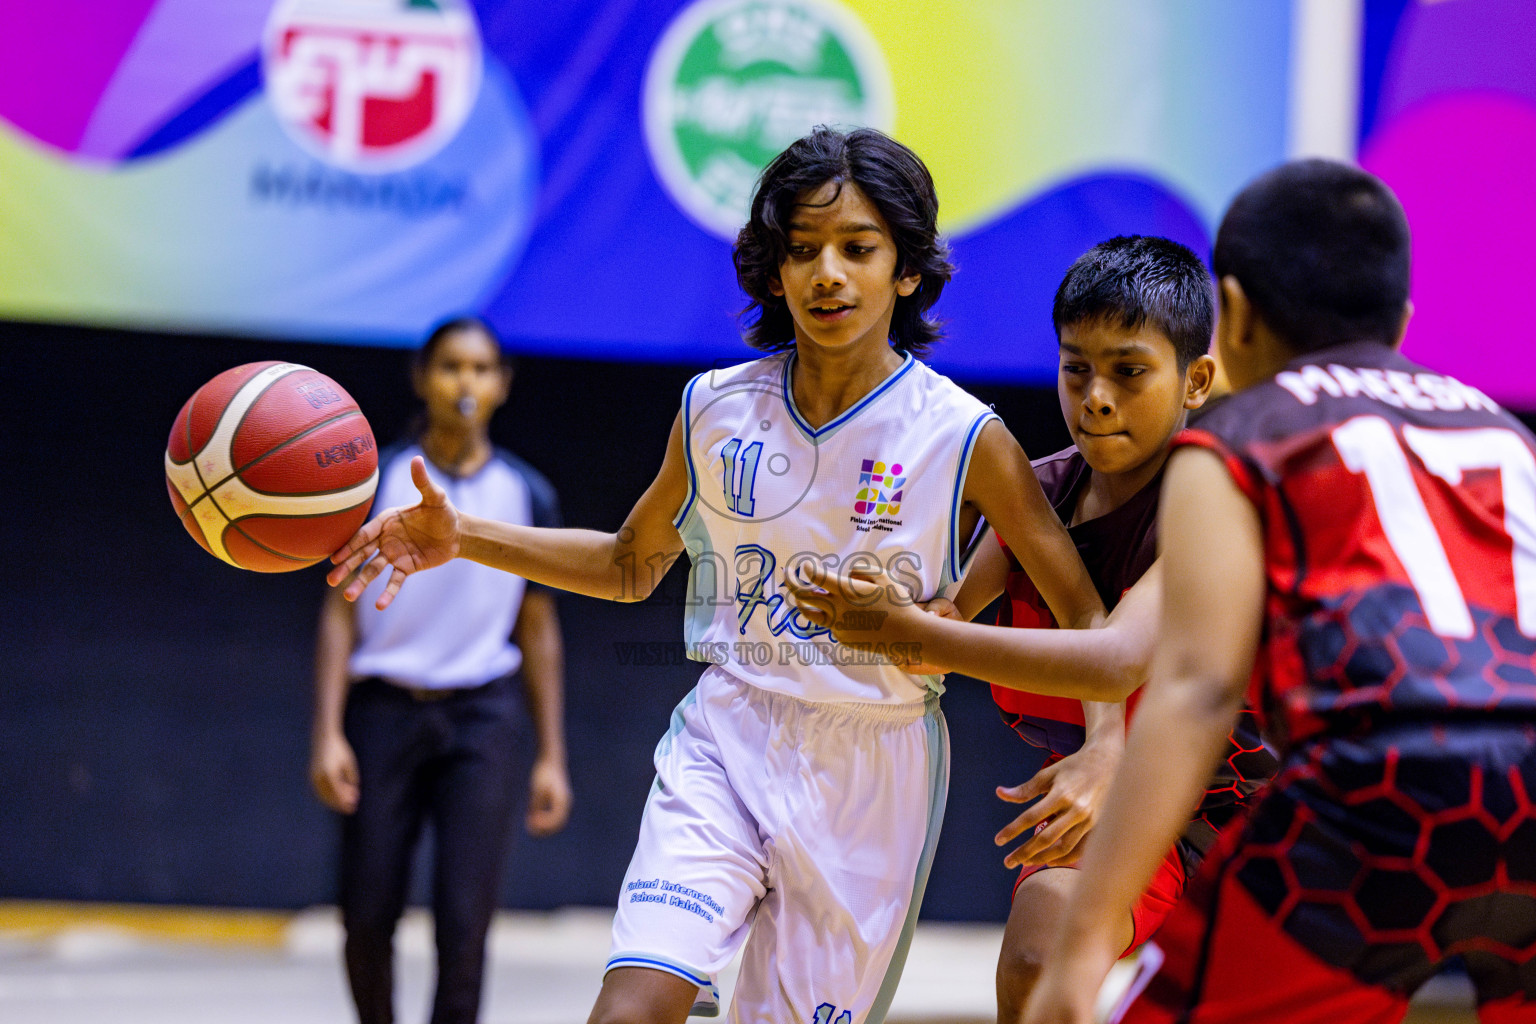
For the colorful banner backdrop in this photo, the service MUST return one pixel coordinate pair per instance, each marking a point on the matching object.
(1448, 119)
(573, 170)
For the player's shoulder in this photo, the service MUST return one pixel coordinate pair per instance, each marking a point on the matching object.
(765, 371)
(1060, 472)
(935, 386)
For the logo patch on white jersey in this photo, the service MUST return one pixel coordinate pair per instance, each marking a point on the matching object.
(877, 502)
(880, 486)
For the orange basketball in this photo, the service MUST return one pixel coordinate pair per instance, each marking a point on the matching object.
(271, 466)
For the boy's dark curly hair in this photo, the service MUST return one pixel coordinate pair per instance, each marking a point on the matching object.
(900, 187)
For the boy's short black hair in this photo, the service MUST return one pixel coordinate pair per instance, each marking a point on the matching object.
(1321, 250)
(1134, 280)
(895, 181)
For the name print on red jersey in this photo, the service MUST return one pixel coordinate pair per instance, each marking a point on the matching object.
(1397, 388)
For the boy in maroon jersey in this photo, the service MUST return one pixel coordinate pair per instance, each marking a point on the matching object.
(1357, 535)
(1133, 317)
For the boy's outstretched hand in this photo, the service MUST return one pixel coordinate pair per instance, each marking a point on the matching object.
(1070, 793)
(404, 540)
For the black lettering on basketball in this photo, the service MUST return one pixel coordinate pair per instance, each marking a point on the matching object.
(346, 451)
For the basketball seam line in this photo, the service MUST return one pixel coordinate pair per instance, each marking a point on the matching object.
(235, 473)
(295, 515)
(354, 411)
(193, 453)
(235, 525)
(192, 459)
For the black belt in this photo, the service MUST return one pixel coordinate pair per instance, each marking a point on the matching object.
(422, 694)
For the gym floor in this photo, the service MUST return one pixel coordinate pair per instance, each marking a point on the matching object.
(72, 964)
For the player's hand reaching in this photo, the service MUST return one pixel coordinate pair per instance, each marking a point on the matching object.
(863, 609)
(944, 608)
(404, 540)
(549, 797)
(1070, 793)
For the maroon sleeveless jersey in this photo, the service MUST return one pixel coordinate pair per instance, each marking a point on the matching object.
(1117, 548)
(1399, 517)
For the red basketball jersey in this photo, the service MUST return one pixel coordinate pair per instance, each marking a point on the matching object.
(1399, 517)
(1117, 549)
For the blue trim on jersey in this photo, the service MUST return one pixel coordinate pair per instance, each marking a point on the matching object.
(847, 414)
(693, 479)
(952, 564)
(631, 960)
(968, 556)
(708, 1003)
(709, 585)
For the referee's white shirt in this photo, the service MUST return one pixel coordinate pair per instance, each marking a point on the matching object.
(451, 627)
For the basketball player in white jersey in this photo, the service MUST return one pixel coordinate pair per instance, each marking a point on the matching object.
(801, 785)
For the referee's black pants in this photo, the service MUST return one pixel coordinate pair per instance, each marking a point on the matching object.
(461, 762)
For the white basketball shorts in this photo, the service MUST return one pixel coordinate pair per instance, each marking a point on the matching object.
(811, 825)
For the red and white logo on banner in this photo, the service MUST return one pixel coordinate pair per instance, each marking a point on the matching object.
(372, 85)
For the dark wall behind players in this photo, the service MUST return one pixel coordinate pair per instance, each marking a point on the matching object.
(155, 704)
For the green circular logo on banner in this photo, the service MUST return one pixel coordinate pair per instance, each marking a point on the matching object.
(732, 82)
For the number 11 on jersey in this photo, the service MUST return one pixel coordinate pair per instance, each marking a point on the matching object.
(739, 483)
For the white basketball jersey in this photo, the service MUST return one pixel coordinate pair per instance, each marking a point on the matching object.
(879, 486)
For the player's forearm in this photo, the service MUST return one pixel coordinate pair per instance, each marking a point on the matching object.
(1177, 738)
(1104, 724)
(1002, 485)
(1058, 573)
(580, 561)
(1090, 665)
(971, 601)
